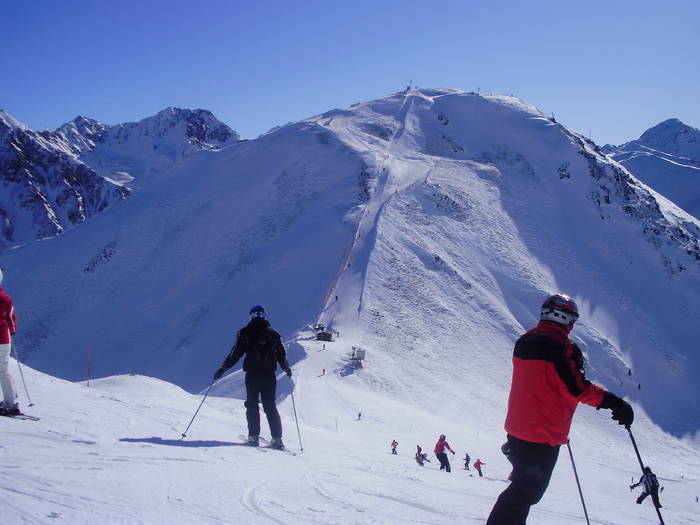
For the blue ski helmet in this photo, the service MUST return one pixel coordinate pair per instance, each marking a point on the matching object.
(559, 308)
(258, 311)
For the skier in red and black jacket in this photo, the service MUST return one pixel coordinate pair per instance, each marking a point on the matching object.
(548, 384)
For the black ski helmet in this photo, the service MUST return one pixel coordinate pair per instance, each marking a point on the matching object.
(559, 308)
(258, 311)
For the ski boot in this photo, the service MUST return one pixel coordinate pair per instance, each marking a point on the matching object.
(277, 443)
(14, 411)
(253, 441)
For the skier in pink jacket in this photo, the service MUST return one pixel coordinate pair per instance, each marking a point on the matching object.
(440, 447)
(8, 327)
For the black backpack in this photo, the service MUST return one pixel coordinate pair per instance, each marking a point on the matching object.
(261, 347)
(650, 482)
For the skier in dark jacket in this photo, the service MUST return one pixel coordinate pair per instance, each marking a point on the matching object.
(651, 487)
(547, 385)
(421, 456)
(263, 349)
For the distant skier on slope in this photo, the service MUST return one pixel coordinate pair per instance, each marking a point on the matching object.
(651, 487)
(547, 385)
(420, 458)
(477, 466)
(466, 461)
(8, 327)
(394, 444)
(440, 447)
(263, 349)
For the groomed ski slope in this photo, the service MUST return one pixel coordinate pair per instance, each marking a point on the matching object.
(435, 275)
(112, 454)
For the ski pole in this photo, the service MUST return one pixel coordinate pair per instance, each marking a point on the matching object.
(641, 464)
(578, 483)
(291, 391)
(21, 374)
(195, 414)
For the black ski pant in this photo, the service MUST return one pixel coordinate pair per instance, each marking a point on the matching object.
(261, 384)
(444, 462)
(654, 498)
(533, 464)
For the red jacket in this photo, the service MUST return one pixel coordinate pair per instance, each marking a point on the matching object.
(548, 384)
(441, 445)
(478, 463)
(8, 319)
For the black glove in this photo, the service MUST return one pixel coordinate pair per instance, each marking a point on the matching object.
(621, 410)
(218, 373)
(288, 372)
(506, 448)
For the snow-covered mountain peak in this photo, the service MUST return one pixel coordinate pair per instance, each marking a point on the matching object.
(673, 136)
(62, 177)
(134, 152)
(9, 122)
(201, 126)
(81, 134)
(425, 227)
(425, 224)
(667, 158)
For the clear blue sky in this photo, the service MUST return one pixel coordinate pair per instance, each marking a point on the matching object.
(611, 67)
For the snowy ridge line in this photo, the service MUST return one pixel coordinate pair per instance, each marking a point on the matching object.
(381, 169)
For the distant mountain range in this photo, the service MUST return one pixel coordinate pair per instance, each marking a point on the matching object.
(667, 158)
(426, 226)
(53, 180)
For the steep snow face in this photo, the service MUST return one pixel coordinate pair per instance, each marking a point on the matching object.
(667, 158)
(45, 190)
(178, 265)
(426, 227)
(489, 206)
(140, 150)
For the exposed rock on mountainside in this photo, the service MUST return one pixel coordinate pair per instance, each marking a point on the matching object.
(45, 190)
(57, 179)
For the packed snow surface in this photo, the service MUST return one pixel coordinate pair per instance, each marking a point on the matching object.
(113, 453)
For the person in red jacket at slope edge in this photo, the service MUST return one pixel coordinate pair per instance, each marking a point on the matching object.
(440, 447)
(8, 327)
(548, 384)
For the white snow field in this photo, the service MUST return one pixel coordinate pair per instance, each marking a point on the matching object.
(426, 228)
(112, 453)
